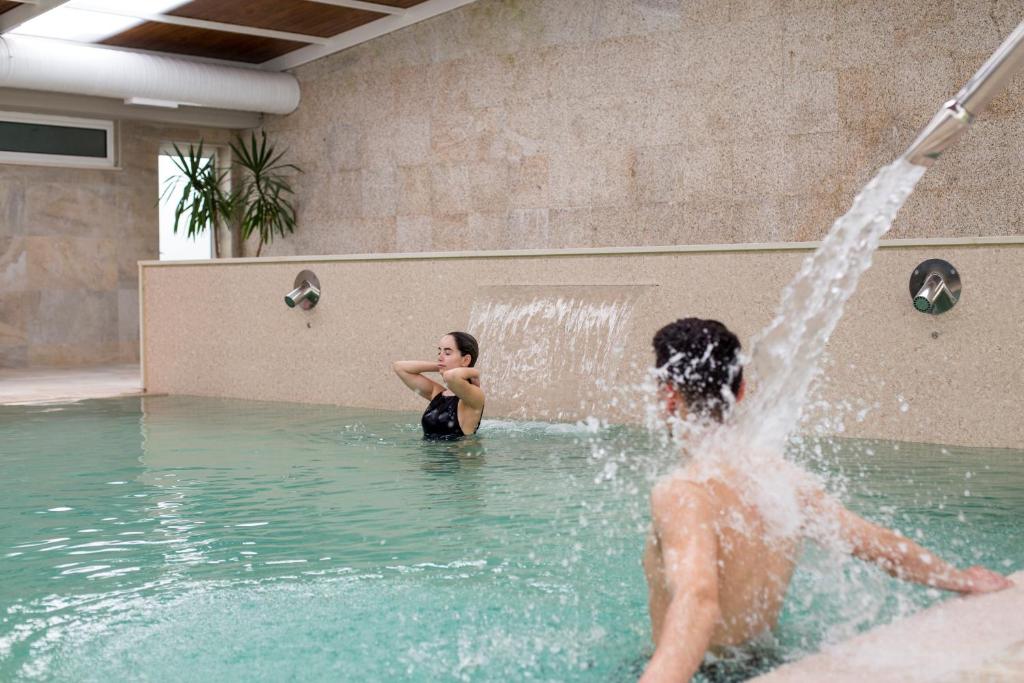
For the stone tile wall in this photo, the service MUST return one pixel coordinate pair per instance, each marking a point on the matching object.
(70, 242)
(888, 371)
(548, 124)
(568, 123)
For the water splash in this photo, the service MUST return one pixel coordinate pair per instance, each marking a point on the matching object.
(786, 359)
(753, 451)
(786, 355)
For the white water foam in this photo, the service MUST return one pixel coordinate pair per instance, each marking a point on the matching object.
(591, 425)
(587, 333)
(570, 336)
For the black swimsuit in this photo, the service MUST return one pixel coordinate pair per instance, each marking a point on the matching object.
(441, 418)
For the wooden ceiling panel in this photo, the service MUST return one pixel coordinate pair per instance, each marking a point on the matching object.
(293, 16)
(292, 19)
(198, 42)
(404, 4)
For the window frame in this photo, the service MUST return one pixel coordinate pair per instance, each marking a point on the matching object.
(219, 154)
(63, 160)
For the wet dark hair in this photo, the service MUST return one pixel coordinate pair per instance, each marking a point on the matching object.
(700, 358)
(467, 345)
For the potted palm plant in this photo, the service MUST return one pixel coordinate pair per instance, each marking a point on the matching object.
(264, 197)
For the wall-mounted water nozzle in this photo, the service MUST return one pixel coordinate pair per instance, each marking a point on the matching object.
(935, 286)
(306, 293)
(948, 125)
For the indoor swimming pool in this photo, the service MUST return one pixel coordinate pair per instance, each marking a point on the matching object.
(272, 541)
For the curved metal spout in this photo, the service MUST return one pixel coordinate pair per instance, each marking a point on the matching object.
(933, 287)
(994, 75)
(306, 291)
(948, 125)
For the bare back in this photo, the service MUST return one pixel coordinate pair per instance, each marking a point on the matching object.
(755, 562)
(723, 548)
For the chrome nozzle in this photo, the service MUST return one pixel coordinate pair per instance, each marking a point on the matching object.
(942, 132)
(304, 291)
(995, 74)
(933, 287)
(952, 120)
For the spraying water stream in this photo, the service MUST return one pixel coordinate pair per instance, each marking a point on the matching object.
(752, 456)
(785, 356)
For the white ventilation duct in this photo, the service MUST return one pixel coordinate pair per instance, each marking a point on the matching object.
(56, 66)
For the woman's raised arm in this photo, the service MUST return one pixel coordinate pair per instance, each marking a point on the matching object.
(465, 383)
(411, 374)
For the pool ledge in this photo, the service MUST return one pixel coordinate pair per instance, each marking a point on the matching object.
(67, 385)
(974, 639)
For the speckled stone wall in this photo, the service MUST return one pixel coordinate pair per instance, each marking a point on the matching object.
(892, 372)
(70, 242)
(575, 123)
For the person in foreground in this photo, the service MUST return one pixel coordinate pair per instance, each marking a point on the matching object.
(455, 409)
(721, 553)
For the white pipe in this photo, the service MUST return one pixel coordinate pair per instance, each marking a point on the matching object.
(58, 66)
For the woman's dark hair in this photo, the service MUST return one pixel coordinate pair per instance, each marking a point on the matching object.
(467, 345)
(700, 358)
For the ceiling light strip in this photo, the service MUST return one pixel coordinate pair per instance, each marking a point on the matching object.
(13, 18)
(366, 6)
(205, 24)
(374, 29)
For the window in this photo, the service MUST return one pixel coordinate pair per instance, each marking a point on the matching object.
(45, 140)
(179, 246)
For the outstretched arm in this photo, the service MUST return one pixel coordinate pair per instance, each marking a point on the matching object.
(411, 373)
(902, 558)
(689, 554)
(465, 383)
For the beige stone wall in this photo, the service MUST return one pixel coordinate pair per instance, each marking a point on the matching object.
(575, 123)
(955, 378)
(70, 242)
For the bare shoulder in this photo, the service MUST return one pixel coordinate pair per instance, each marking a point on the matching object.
(676, 497)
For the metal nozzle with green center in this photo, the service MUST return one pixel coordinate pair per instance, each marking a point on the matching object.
(935, 286)
(306, 293)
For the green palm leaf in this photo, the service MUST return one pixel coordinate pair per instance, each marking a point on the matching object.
(265, 194)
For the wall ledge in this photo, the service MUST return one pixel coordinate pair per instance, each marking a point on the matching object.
(981, 638)
(1009, 241)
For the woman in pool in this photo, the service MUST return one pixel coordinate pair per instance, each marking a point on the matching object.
(455, 409)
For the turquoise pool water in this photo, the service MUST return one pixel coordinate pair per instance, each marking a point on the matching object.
(182, 538)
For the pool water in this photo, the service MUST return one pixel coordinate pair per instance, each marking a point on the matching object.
(177, 537)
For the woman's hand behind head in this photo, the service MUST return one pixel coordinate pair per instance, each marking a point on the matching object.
(464, 374)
